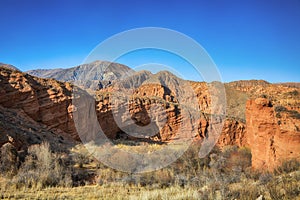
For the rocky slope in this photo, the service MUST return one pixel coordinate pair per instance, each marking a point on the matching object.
(18, 128)
(33, 110)
(280, 94)
(45, 110)
(9, 66)
(95, 75)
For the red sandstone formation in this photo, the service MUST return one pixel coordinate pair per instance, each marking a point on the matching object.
(271, 139)
(34, 109)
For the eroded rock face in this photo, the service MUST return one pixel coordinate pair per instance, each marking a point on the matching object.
(43, 110)
(233, 133)
(49, 102)
(45, 101)
(271, 139)
(146, 106)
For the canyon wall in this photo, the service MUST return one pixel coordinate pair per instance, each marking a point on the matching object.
(43, 107)
(273, 137)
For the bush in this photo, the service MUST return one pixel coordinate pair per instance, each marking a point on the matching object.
(233, 158)
(294, 114)
(279, 109)
(265, 178)
(287, 187)
(42, 169)
(81, 158)
(9, 160)
(293, 93)
(288, 166)
(263, 96)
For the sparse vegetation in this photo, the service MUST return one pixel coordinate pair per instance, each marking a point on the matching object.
(41, 169)
(8, 160)
(223, 174)
(292, 113)
(279, 109)
(288, 166)
(292, 93)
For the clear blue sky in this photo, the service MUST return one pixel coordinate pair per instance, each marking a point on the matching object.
(249, 39)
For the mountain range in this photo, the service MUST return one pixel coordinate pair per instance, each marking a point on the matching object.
(94, 75)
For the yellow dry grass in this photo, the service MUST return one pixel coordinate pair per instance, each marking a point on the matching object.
(111, 192)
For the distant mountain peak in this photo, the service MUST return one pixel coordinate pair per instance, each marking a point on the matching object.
(90, 75)
(9, 66)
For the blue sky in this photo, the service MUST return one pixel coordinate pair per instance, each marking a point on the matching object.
(248, 39)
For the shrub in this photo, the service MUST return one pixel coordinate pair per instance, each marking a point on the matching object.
(246, 191)
(287, 187)
(233, 158)
(9, 160)
(279, 109)
(294, 114)
(288, 166)
(42, 168)
(293, 93)
(81, 158)
(263, 96)
(265, 178)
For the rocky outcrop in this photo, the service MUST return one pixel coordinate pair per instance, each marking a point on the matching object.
(233, 133)
(49, 102)
(43, 101)
(149, 111)
(271, 139)
(22, 131)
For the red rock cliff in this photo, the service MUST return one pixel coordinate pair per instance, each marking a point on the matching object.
(270, 138)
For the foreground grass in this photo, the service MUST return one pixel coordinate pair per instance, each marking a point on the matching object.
(222, 175)
(101, 192)
(281, 187)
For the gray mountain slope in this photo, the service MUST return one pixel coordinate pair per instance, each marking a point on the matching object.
(93, 75)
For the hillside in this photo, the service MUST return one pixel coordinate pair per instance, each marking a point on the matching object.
(153, 116)
(49, 103)
(94, 75)
(9, 66)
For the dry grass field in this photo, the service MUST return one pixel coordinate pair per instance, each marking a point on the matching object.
(223, 174)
